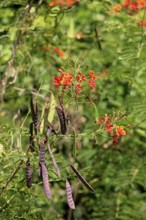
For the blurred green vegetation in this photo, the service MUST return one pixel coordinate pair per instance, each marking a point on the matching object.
(91, 35)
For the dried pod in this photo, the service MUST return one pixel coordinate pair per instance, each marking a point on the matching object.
(31, 140)
(62, 120)
(82, 179)
(34, 113)
(54, 161)
(32, 109)
(42, 153)
(36, 119)
(63, 108)
(69, 195)
(47, 189)
(28, 174)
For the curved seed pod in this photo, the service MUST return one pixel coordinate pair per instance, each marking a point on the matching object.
(62, 120)
(63, 108)
(28, 174)
(46, 182)
(42, 153)
(54, 161)
(69, 195)
(82, 179)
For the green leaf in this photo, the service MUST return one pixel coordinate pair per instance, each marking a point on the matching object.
(52, 108)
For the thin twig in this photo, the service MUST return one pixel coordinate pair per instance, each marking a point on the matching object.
(12, 176)
(98, 40)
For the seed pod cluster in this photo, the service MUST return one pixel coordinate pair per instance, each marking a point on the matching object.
(42, 170)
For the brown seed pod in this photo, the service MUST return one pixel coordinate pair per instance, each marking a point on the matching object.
(34, 113)
(32, 109)
(47, 189)
(82, 179)
(53, 161)
(31, 139)
(63, 108)
(36, 119)
(28, 174)
(42, 152)
(62, 120)
(69, 195)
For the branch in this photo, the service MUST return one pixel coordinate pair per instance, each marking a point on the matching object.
(12, 176)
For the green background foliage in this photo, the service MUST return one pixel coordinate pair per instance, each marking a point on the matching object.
(90, 34)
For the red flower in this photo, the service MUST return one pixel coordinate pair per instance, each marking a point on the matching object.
(120, 131)
(127, 3)
(141, 23)
(92, 83)
(134, 6)
(115, 138)
(106, 118)
(57, 80)
(141, 4)
(59, 52)
(46, 48)
(68, 3)
(109, 128)
(92, 75)
(66, 79)
(78, 88)
(80, 77)
(100, 121)
(117, 8)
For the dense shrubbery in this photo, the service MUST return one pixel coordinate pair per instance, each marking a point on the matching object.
(83, 62)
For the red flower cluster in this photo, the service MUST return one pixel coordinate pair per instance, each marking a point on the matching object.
(59, 52)
(130, 6)
(67, 3)
(65, 79)
(141, 23)
(68, 80)
(116, 131)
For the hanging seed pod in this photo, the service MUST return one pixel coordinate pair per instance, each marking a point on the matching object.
(42, 153)
(32, 109)
(36, 119)
(28, 174)
(31, 139)
(47, 189)
(63, 108)
(82, 179)
(54, 161)
(34, 113)
(69, 195)
(62, 120)
(49, 130)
